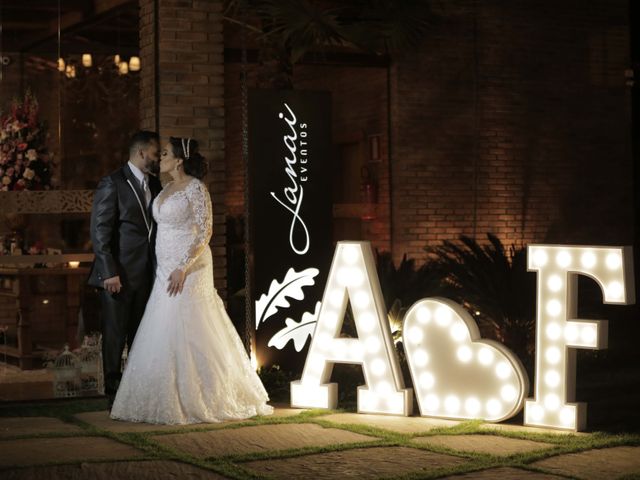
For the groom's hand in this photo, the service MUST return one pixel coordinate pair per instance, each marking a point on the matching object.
(113, 285)
(176, 282)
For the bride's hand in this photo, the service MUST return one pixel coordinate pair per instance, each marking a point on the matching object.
(176, 282)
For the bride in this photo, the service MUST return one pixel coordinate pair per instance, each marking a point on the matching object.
(187, 363)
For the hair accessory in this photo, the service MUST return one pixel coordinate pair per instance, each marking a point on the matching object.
(185, 150)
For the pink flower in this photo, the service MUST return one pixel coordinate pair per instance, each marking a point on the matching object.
(32, 154)
(10, 171)
(6, 180)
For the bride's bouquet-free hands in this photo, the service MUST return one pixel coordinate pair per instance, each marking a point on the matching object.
(176, 282)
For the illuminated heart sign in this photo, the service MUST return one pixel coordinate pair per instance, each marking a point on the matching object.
(455, 373)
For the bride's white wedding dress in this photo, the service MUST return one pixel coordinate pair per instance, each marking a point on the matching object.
(187, 363)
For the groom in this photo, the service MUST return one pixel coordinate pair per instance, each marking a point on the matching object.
(123, 237)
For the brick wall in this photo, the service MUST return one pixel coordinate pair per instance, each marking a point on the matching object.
(513, 118)
(191, 92)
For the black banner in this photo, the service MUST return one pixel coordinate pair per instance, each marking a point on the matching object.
(290, 218)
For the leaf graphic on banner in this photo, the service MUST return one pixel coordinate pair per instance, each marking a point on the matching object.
(298, 332)
(291, 287)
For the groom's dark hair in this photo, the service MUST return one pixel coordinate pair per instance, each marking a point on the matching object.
(142, 139)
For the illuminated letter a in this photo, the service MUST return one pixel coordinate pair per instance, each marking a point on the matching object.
(353, 277)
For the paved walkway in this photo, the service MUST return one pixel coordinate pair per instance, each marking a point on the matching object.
(305, 444)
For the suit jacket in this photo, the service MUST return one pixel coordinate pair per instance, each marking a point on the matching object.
(123, 231)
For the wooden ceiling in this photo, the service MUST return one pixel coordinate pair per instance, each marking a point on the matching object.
(31, 26)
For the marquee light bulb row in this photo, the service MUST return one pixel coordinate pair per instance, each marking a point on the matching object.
(455, 373)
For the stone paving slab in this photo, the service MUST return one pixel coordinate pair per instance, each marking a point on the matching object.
(365, 463)
(489, 444)
(504, 473)
(12, 426)
(391, 422)
(595, 464)
(103, 421)
(509, 427)
(34, 451)
(145, 470)
(260, 438)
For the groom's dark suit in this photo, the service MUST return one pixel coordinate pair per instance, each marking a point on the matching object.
(123, 233)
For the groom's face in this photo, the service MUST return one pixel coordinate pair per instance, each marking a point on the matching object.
(150, 155)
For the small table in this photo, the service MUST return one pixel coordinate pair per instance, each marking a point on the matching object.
(46, 300)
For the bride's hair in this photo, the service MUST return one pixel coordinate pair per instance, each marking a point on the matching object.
(194, 164)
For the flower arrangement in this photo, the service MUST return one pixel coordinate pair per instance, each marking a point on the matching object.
(25, 163)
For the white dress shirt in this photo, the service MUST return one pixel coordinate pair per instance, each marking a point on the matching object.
(143, 179)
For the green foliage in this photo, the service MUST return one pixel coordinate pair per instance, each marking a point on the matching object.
(492, 282)
(276, 381)
(286, 30)
(404, 285)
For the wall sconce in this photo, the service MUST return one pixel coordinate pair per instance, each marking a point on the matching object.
(61, 65)
(87, 60)
(116, 60)
(134, 64)
(74, 264)
(123, 68)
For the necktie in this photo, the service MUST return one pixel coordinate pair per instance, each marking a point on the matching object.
(147, 192)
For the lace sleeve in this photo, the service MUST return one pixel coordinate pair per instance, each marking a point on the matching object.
(200, 203)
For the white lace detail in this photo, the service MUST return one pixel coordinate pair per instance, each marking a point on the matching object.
(187, 363)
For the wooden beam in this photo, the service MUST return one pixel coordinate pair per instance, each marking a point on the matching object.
(44, 5)
(74, 19)
(22, 25)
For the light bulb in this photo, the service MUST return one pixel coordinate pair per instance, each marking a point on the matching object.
(350, 254)
(588, 260)
(134, 64)
(421, 358)
(424, 315)
(554, 283)
(564, 259)
(613, 261)
(426, 380)
(464, 354)
(87, 60)
(485, 356)
(540, 258)
(552, 378)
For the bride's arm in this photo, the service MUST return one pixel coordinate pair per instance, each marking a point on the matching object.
(200, 202)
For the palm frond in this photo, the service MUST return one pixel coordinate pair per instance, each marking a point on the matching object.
(493, 283)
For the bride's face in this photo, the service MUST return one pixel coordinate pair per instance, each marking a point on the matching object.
(168, 161)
